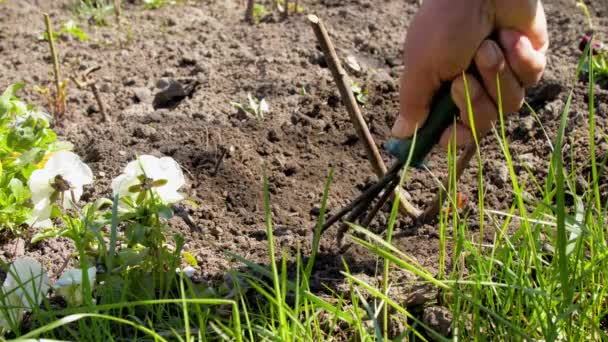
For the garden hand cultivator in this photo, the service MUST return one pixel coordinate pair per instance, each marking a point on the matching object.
(407, 152)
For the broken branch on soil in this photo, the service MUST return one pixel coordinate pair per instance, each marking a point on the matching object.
(434, 206)
(117, 9)
(342, 81)
(249, 11)
(85, 82)
(285, 13)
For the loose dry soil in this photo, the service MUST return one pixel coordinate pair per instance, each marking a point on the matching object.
(208, 46)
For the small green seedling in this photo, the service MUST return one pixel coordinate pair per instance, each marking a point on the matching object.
(259, 13)
(257, 108)
(292, 6)
(69, 28)
(96, 11)
(360, 92)
(155, 4)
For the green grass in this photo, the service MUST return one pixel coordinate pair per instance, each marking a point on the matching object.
(541, 277)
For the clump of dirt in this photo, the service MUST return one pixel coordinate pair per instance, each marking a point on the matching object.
(169, 76)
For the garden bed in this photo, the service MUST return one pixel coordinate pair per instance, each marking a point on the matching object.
(225, 153)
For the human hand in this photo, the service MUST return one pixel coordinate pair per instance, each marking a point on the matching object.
(446, 37)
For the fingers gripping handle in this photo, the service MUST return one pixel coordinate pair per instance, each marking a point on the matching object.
(443, 111)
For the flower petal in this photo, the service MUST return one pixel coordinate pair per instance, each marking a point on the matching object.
(27, 280)
(69, 285)
(40, 184)
(41, 213)
(69, 165)
(152, 167)
(122, 183)
(68, 201)
(74, 276)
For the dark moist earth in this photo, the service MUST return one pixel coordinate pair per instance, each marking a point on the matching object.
(220, 58)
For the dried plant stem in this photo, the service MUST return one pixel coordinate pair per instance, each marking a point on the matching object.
(285, 13)
(92, 85)
(434, 206)
(49, 32)
(102, 108)
(343, 83)
(117, 8)
(249, 11)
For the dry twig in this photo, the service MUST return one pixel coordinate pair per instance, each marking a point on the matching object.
(249, 11)
(86, 82)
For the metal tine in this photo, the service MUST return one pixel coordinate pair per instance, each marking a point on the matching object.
(385, 196)
(370, 194)
(360, 209)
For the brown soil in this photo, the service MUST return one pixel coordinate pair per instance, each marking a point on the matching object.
(208, 45)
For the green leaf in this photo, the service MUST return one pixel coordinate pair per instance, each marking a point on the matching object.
(72, 29)
(19, 191)
(8, 96)
(159, 183)
(190, 259)
(136, 234)
(135, 188)
(165, 212)
(45, 234)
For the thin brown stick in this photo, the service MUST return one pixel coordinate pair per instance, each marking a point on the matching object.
(434, 206)
(285, 13)
(342, 81)
(102, 107)
(92, 85)
(49, 32)
(249, 11)
(117, 8)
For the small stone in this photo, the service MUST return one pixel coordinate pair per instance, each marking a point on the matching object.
(173, 91)
(526, 125)
(500, 173)
(273, 136)
(352, 63)
(122, 153)
(145, 132)
(143, 95)
(439, 319)
(19, 250)
(318, 59)
(421, 295)
(216, 231)
(384, 82)
(528, 159)
(581, 184)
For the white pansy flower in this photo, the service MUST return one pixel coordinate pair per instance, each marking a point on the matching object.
(62, 178)
(188, 271)
(69, 285)
(163, 175)
(23, 289)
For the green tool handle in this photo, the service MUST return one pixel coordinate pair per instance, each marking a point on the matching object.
(443, 111)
